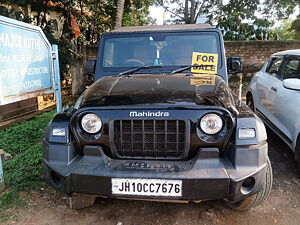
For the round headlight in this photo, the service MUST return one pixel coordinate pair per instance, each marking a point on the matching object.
(91, 123)
(211, 123)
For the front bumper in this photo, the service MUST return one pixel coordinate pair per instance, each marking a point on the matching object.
(205, 177)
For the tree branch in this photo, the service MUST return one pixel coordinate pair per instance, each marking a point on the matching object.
(160, 2)
(200, 9)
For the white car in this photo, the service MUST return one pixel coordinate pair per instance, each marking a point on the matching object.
(274, 94)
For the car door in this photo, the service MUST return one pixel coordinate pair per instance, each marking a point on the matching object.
(286, 102)
(264, 90)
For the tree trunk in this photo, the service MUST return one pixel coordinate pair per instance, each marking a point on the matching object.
(27, 11)
(119, 15)
(78, 74)
(193, 8)
(186, 11)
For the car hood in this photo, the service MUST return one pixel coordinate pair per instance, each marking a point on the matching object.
(158, 89)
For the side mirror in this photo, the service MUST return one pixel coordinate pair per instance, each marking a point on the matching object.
(292, 83)
(234, 64)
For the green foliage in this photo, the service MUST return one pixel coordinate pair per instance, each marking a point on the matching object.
(295, 28)
(93, 17)
(23, 142)
(284, 30)
(136, 13)
(231, 17)
(9, 199)
(228, 16)
(23, 171)
(188, 11)
(17, 139)
(282, 9)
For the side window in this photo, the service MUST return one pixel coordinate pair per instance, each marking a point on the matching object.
(291, 69)
(274, 65)
(108, 54)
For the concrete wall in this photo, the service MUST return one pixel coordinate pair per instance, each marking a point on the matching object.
(254, 53)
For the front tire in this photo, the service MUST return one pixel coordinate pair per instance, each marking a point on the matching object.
(258, 198)
(298, 167)
(297, 155)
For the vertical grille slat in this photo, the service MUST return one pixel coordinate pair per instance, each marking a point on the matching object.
(131, 129)
(143, 135)
(177, 139)
(150, 138)
(154, 136)
(166, 138)
(121, 136)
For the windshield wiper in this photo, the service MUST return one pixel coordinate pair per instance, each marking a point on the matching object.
(136, 69)
(182, 69)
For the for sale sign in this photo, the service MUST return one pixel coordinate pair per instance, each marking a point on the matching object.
(205, 63)
(25, 61)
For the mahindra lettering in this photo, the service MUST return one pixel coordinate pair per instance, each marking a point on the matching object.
(160, 123)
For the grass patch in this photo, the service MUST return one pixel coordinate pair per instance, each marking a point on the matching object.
(8, 199)
(22, 173)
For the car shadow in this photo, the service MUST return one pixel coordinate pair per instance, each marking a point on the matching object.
(281, 156)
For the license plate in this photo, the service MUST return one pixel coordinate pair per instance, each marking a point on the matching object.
(146, 187)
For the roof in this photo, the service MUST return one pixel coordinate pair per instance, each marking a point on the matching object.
(288, 52)
(162, 28)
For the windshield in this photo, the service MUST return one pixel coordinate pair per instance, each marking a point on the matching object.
(163, 49)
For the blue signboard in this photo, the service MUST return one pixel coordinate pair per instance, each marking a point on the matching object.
(25, 61)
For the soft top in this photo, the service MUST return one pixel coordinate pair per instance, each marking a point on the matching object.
(162, 28)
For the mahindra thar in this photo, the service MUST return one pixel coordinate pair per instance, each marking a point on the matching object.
(160, 123)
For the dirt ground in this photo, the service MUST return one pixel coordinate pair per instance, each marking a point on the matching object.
(282, 206)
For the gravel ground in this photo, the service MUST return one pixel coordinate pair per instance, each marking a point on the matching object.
(282, 206)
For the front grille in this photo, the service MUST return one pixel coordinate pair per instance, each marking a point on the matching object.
(150, 138)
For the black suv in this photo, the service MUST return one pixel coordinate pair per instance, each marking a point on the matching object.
(151, 128)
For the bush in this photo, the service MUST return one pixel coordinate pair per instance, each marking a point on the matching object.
(19, 138)
(23, 142)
